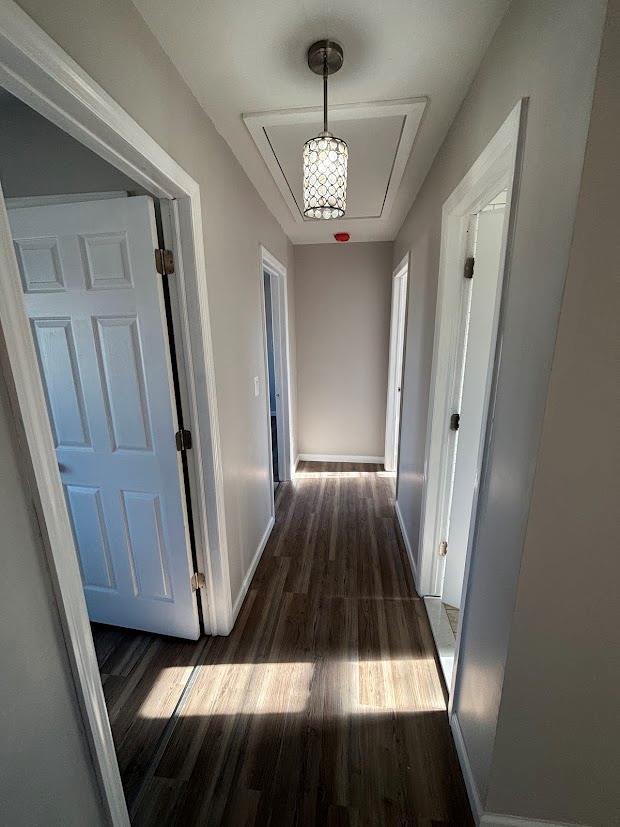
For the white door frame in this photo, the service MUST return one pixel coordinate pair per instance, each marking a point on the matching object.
(281, 354)
(495, 169)
(36, 70)
(398, 321)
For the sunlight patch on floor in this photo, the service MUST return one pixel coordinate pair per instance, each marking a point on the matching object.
(349, 687)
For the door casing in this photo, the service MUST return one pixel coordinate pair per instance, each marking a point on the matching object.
(495, 169)
(281, 350)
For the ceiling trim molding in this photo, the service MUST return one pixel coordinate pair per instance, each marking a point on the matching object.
(411, 109)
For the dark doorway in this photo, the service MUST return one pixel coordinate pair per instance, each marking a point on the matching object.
(273, 391)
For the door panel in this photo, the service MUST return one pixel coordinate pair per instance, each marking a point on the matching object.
(122, 378)
(98, 321)
(480, 347)
(91, 537)
(145, 540)
(58, 364)
(395, 370)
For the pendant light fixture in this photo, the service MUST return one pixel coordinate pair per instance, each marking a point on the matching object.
(325, 157)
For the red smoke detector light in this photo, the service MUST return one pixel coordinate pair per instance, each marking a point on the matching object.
(342, 237)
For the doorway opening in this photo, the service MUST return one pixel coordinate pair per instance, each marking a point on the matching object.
(395, 371)
(276, 348)
(481, 288)
(105, 328)
(99, 354)
(475, 232)
(274, 391)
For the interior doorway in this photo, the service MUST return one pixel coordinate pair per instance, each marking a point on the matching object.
(95, 328)
(475, 345)
(475, 232)
(274, 390)
(395, 370)
(276, 349)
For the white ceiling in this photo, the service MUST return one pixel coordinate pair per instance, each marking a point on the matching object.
(249, 56)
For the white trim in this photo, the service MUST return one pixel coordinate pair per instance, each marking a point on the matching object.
(403, 266)
(410, 109)
(468, 775)
(340, 458)
(496, 820)
(496, 164)
(250, 572)
(69, 198)
(407, 542)
(398, 335)
(36, 70)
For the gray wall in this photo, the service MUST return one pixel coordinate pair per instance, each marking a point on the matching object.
(556, 751)
(47, 776)
(113, 44)
(546, 50)
(342, 311)
(38, 158)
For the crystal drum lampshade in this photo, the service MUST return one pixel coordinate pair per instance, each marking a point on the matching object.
(325, 177)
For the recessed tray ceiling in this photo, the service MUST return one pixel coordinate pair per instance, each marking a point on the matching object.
(380, 137)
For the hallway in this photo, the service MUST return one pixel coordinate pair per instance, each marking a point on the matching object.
(324, 706)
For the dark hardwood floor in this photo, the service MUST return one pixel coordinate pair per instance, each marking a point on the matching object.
(324, 705)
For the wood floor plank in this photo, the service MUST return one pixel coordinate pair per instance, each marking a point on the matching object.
(324, 706)
(143, 678)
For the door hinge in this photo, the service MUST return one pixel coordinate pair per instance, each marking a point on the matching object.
(443, 548)
(199, 581)
(183, 439)
(455, 421)
(164, 262)
(468, 270)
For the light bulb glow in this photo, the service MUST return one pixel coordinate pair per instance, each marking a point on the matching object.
(325, 177)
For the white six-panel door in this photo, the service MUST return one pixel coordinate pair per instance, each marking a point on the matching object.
(98, 322)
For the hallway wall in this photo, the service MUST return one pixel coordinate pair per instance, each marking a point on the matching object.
(546, 50)
(113, 44)
(342, 310)
(556, 748)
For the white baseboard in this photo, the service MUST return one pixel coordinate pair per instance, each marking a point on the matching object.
(495, 820)
(482, 818)
(404, 535)
(468, 776)
(250, 573)
(297, 461)
(340, 458)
